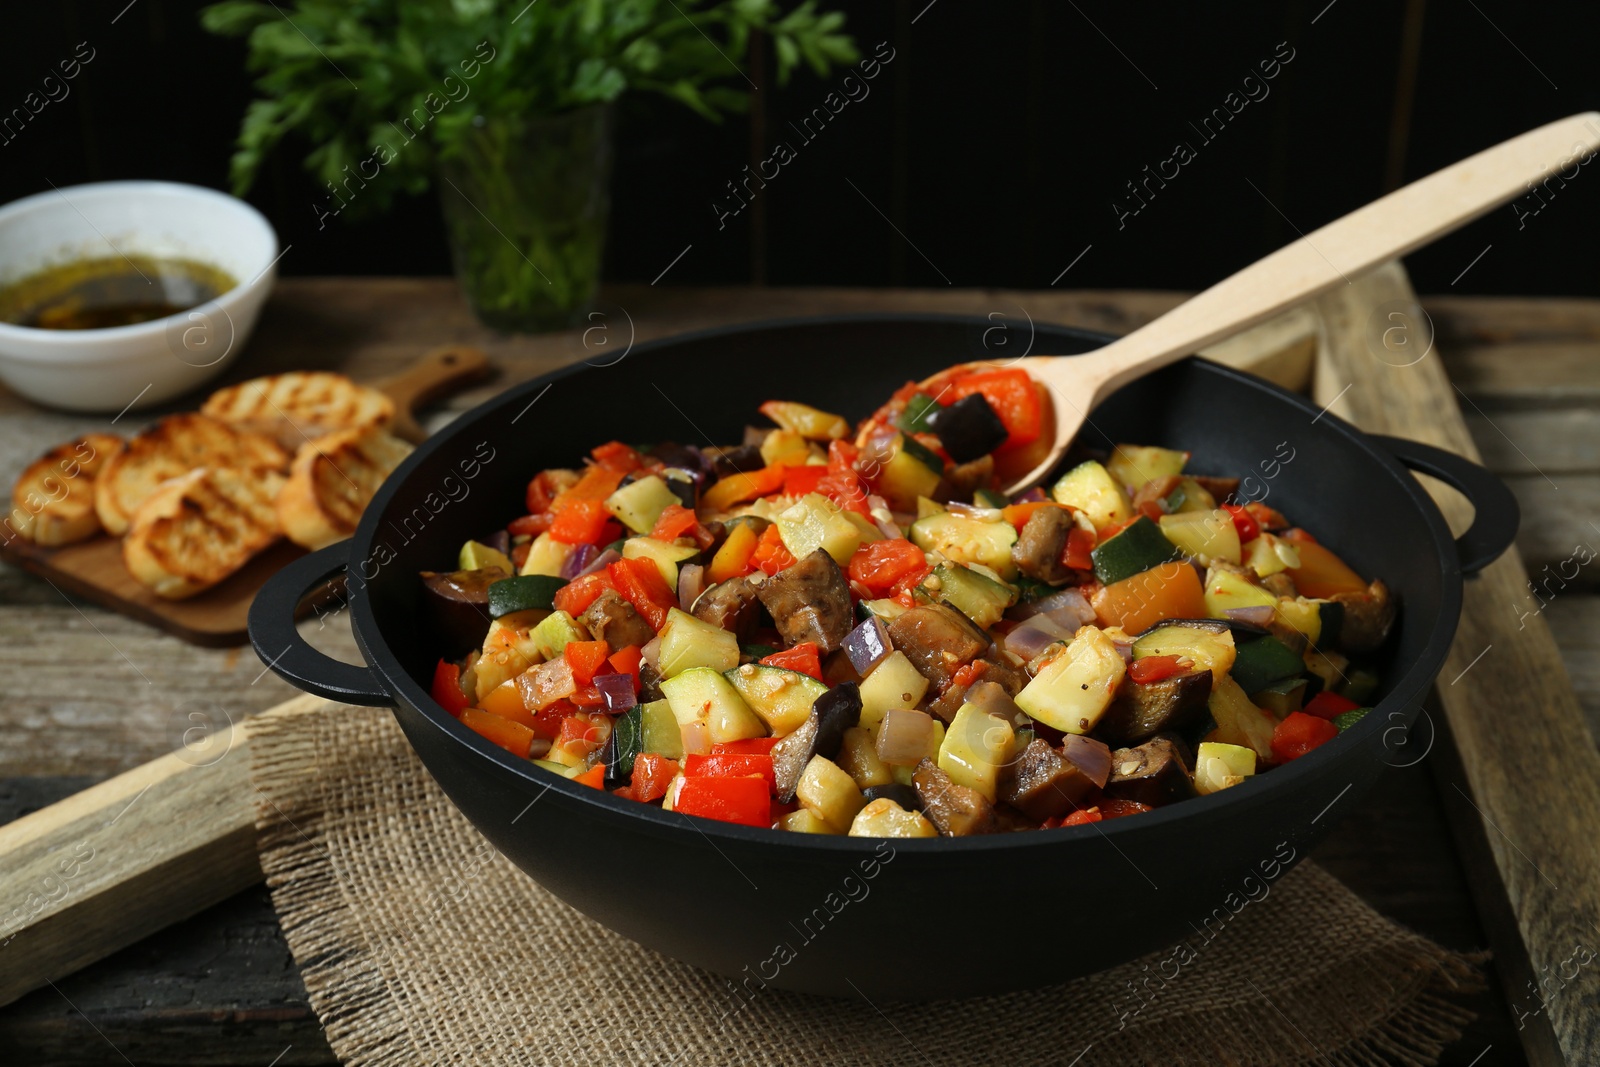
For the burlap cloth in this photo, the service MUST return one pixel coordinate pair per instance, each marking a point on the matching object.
(419, 944)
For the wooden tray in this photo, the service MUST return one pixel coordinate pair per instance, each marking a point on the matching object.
(93, 569)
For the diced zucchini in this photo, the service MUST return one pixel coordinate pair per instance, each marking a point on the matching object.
(859, 759)
(639, 504)
(1263, 661)
(659, 730)
(1360, 686)
(921, 453)
(1239, 722)
(780, 697)
(805, 420)
(804, 821)
(977, 596)
(547, 556)
(1281, 698)
(475, 556)
(926, 507)
(702, 695)
(989, 498)
(509, 649)
(906, 474)
(869, 529)
(887, 610)
(1133, 465)
(555, 632)
(964, 540)
(558, 768)
(664, 554)
(671, 798)
(884, 818)
(688, 642)
(1190, 496)
(784, 446)
(829, 793)
(815, 522)
(1133, 550)
(976, 746)
(1347, 719)
(1206, 647)
(1091, 489)
(1205, 535)
(1219, 766)
(1072, 691)
(1268, 554)
(914, 419)
(627, 742)
(1225, 590)
(893, 683)
(1304, 615)
(525, 592)
(1329, 666)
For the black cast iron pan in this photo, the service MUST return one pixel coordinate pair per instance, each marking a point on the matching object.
(889, 919)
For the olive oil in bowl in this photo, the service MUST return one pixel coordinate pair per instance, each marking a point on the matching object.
(93, 294)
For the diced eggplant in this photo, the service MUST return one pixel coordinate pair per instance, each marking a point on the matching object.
(1142, 710)
(810, 601)
(945, 706)
(938, 640)
(903, 795)
(682, 456)
(1155, 490)
(649, 683)
(1042, 783)
(1222, 489)
(684, 485)
(1368, 618)
(821, 734)
(615, 621)
(954, 810)
(969, 428)
(1154, 773)
(458, 604)
(1037, 552)
(1012, 679)
(732, 605)
(963, 481)
(740, 459)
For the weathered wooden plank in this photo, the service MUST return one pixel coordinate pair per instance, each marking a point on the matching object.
(1526, 373)
(1574, 619)
(1560, 527)
(1471, 320)
(1552, 441)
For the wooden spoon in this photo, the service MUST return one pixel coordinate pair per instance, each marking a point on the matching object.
(1384, 229)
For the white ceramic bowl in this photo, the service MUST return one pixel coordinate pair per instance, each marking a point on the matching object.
(106, 370)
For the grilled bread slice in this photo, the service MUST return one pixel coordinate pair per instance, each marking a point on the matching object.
(299, 406)
(331, 482)
(176, 445)
(53, 501)
(197, 529)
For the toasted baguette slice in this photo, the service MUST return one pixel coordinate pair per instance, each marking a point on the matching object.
(53, 501)
(176, 445)
(299, 406)
(331, 482)
(200, 527)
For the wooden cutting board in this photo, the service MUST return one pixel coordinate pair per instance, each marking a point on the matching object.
(93, 569)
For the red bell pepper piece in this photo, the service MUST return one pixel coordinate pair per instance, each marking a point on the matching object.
(758, 746)
(626, 661)
(594, 777)
(884, 567)
(585, 658)
(771, 555)
(616, 456)
(1327, 705)
(1014, 398)
(596, 483)
(575, 597)
(530, 525)
(798, 481)
(675, 522)
(968, 674)
(846, 489)
(746, 801)
(514, 737)
(804, 658)
(1080, 543)
(1082, 817)
(542, 492)
(651, 775)
(582, 522)
(447, 688)
(640, 583)
(1299, 734)
(731, 765)
(1244, 522)
(1116, 807)
(1155, 668)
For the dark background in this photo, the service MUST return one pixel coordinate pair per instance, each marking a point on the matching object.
(995, 142)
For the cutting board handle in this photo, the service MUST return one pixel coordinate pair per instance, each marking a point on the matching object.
(441, 371)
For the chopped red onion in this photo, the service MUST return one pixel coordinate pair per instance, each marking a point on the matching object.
(500, 541)
(600, 562)
(578, 562)
(973, 511)
(1067, 608)
(617, 689)
(1034, 636)
(1124, 649)
(1091, 757)
(993, 698)
(691, 583)
(884, 518)
(651, 652)
(905, 737)
(696, 738)
(545, 684)
(1034, 495)
(868, 645)
(1259, 615)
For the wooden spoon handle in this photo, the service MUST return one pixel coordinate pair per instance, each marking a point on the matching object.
(441, 371)
(1340, 251)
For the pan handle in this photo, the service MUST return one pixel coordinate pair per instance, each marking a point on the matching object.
(1496, 513)
(286, 653)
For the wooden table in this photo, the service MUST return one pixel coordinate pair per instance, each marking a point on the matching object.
(90, 694)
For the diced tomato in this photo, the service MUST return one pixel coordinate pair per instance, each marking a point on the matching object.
(616, 456)
(585, 658)
(514, 737)
(1155, 668)
(759, 746)
(1117, 808)
(1244, 522)
(1014, 398)
(798, 481)
(530, 525)
(675, 522)
(842, 456)
(731, 765)
(746, 801)
(447, 688)
(582, 734)
(742, 486)
(771, 555)
(733, 558)
(1080, 545)
(1082, 817)
(969, 673)
(803, 657)
(1327, 705)
(883, 567)
(846, 489)
(544, 489)
(581, 522)
(651, 774)
(1267, 518)
(1299, 734)
(575, 597)
(626, 661)
(594, 777)
(1151, 510)
(640, 583)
